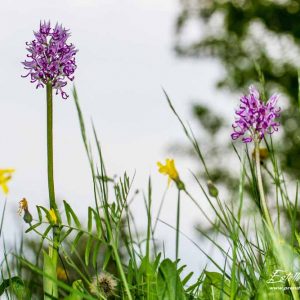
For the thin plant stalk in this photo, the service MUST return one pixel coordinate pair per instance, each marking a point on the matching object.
(121, 271)
(261, 188)
(53, 249)
(177, 226)
(114, 247)
(50, 146)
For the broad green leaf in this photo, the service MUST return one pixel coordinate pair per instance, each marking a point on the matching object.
(169, 285)
(215, 286)
(95, 254)
(88, 250)
(50, 286)
(16, 284)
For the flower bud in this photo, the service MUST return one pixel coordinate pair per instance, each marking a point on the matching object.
(52, 218)
(212, 190)
(180, 185)
(27, 217)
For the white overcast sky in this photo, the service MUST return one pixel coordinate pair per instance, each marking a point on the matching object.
(125, 57)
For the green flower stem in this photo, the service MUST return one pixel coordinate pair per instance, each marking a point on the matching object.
(121, 271)
(50, 147)
(51, 286)
(178, 225)
(261, 188)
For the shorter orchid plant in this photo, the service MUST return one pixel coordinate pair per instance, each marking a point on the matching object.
(254, 120)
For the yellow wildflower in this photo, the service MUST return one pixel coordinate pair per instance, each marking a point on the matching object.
(61, 274)
(170, 170)
(5, 176)
(23, 205)
(52, 218)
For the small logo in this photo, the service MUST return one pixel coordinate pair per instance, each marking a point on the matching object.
(280, 277)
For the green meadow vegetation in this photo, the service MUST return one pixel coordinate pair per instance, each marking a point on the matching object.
(260, 263)
(107, 257)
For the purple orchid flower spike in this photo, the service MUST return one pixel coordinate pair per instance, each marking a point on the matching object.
(254, 118)
(51, 58)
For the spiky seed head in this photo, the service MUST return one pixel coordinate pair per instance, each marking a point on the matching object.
(103, 284)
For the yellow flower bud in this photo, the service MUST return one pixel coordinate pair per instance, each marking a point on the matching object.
(52, 218)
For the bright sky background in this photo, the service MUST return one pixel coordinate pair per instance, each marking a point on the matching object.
(125, 57)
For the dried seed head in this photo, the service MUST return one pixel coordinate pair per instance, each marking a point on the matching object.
(103, 284)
